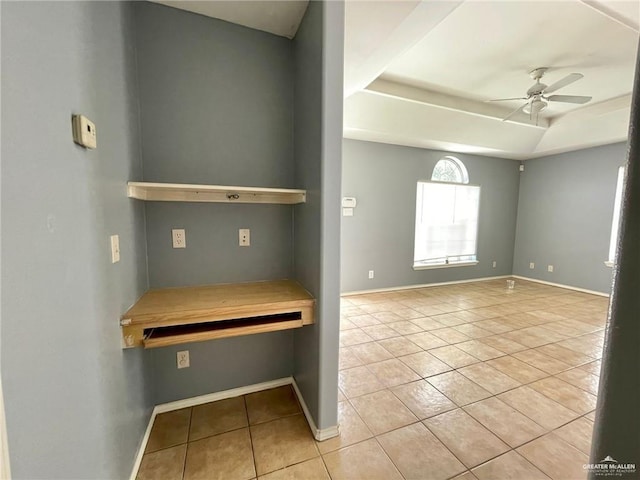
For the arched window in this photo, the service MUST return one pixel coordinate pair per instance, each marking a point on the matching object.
(450, 169)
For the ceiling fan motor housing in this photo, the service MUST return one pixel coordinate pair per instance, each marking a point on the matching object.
(536, 89)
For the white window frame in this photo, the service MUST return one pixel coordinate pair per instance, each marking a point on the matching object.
(615, 223)
(448, 261)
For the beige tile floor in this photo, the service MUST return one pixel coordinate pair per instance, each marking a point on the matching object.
(469, 381)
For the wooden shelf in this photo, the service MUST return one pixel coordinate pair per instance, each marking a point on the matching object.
(178, 192)
(172, 316)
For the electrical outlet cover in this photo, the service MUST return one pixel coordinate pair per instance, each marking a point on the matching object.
(182, 359)
(244, 237)
(179, 238)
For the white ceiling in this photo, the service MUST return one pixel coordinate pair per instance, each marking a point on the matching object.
(280, 17)
(419, 73)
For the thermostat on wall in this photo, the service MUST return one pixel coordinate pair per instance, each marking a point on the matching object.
(84, 131)
(349, 202)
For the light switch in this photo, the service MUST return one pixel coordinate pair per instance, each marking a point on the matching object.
(115, 248)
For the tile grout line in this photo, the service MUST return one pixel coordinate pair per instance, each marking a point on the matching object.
(253, 453)
(521, 384)
(186, 450)
(493, 395)
(477, 339)
(510, 448)
(324, 464)
(546, 376)
(571, 367)
(404, 426)
(458, 407)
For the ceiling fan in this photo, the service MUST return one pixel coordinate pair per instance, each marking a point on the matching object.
(538, 97)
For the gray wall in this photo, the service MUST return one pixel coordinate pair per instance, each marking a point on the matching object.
(76, 403)
(380, 235)
(318, 49)
(216, 100)
(212, 254)
(222, 364)
(216, 103)
(331, 148)
(564, 216)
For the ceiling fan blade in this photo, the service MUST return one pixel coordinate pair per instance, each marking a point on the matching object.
(569, 99)
(506, 99)
(519, 109)
(563, 82)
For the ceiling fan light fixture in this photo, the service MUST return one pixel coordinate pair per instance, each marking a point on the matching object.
(535, 106)
(537, 97)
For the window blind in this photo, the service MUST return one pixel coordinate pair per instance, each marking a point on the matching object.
(446, 222)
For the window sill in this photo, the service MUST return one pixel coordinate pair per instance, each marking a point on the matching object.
(609, 263)
(445, 265)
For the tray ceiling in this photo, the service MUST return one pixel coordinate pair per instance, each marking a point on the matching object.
(428, 86)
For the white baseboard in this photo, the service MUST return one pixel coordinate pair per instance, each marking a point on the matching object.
(5, 467)
(143, 446)
(560, 285)
(318, 434)
(423, 285)
(214, 397)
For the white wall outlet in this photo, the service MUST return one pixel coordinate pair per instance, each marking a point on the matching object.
(532, 265)
(550, 268)
(495, 264)
(182, 359)
(244, 237)
(347, 212)
(371, 274)
(115, 248)
(179, 238)
(84, 131)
